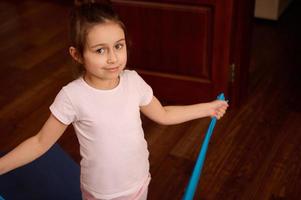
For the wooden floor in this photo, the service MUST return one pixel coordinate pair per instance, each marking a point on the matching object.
(255, 152)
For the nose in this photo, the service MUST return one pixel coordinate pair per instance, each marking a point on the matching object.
(112, 57)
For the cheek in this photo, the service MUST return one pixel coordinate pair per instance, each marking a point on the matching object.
(93, 60)
(123, 57)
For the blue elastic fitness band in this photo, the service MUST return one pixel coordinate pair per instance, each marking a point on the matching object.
(1, 198)
(194, 179)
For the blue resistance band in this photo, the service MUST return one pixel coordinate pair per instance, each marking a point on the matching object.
(194, 179)
(1, 198)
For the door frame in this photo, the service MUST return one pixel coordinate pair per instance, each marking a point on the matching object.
(243, 16)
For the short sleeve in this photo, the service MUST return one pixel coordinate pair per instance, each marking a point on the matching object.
(62, 108)
(145, 91)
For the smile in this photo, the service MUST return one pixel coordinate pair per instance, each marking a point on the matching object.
(113, 69)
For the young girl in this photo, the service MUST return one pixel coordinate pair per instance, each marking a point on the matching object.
(103, 104)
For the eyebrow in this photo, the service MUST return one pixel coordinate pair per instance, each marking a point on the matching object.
(104, 44)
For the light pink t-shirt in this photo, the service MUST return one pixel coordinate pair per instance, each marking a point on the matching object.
(108, 126)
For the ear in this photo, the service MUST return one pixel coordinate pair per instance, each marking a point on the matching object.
(75, 54)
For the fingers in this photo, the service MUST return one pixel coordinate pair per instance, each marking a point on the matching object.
(220, 109)
(220, 113)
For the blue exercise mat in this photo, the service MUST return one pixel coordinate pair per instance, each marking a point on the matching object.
(194, 179)
(54, 176)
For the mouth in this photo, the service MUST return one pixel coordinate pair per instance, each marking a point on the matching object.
(112, 69)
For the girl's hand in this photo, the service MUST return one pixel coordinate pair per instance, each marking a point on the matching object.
(217, 108)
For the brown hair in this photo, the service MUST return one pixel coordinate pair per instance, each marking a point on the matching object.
(84, 16)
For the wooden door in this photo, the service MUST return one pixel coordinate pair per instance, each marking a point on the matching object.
(181, 48)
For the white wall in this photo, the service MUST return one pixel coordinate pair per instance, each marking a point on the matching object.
(270, 9)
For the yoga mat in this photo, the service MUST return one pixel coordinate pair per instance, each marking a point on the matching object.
(194, 179)
(54, 176)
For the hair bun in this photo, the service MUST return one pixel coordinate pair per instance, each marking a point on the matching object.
(82, 2)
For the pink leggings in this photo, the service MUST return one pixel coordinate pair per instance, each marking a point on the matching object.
(140, 195)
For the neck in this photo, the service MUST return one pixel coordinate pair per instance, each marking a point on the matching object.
(102, 84)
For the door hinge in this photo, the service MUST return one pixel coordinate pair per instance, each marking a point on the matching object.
(232, 73)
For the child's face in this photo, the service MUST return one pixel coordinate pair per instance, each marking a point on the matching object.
(105, 54)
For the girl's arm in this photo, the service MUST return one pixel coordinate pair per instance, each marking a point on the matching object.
(33, 147)
(177, 114)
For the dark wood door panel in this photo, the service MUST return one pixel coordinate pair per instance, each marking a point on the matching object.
(178, 47)
(161, 34)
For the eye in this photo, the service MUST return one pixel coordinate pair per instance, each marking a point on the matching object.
(100, 51)
(119, 46)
